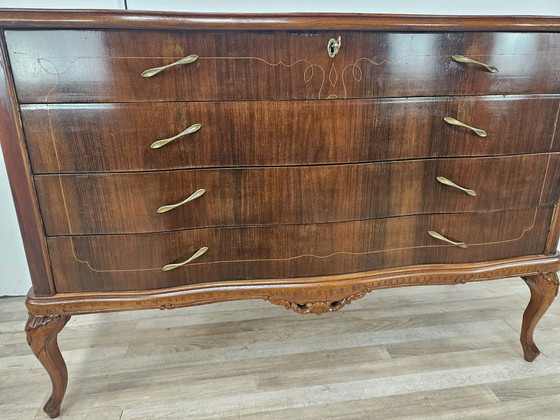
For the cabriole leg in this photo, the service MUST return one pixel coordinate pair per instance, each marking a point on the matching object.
(544, 288)
(42, 334)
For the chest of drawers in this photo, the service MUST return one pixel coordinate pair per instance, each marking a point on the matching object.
(169, 160)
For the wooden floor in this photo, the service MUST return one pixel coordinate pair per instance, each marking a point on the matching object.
(444, 352)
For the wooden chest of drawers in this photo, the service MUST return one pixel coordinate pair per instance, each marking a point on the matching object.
(167, 160)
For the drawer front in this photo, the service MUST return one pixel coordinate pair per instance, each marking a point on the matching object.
(134, 262)
(117, 137)
(127, 203)
(106, 66)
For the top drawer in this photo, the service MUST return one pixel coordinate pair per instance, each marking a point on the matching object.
(106, 66)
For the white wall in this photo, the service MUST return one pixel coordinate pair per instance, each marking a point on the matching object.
(440, 7)
(14, 276)
(64, 4)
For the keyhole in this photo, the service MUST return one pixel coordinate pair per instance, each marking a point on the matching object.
(333, 46)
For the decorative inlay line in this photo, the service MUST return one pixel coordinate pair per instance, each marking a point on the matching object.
(53, 141)
(308, 75)
(303, 255)
(555, 68)
(358, 76)
(333, 76)
(555, 126)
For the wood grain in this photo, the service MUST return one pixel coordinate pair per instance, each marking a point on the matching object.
(105, 66)
(116, 137)
(42, 334)
(553, 238)
(134, 262)
(89, 110)
(297, 290)
(21, 181)
(544, 289)
(107, 19)
(127, 203)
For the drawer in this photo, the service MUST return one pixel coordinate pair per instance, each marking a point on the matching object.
(106, 66)
(134, 262)
(128, 202)
(117, 137)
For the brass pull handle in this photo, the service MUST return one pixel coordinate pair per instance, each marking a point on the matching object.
(197, 254)
(193, 196)
(453, 121)
(446, 181)
(160, 143)
(186, 60)
(444, 239)
(466, 60)
(333, 46)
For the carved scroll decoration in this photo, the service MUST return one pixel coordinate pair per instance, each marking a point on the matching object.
(319, 307)
(552, 278)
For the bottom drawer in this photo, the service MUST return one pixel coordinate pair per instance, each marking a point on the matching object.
(134, 262)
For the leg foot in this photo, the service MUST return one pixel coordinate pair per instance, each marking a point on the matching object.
(41, 337)
(544, 288)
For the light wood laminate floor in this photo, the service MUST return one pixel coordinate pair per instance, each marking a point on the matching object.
(439, 352)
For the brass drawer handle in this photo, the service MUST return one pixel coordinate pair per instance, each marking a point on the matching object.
(466, 60)
(186, 60)
(444, 239)
(189, 130)
(453, 121)
(446, 181)
(193, 196)
(197, 254)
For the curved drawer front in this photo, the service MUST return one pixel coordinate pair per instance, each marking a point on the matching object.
(135, 262)
(128, 203)
(106, 66)
(117, 137)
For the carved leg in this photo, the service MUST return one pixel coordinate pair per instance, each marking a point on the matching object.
(544, 289)
(41, 337)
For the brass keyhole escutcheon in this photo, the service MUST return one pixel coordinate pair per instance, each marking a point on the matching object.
(333, 46)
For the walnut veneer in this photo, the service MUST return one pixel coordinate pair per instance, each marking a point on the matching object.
(309, 175)
(280, 65)
(114, 136)
(127, 203)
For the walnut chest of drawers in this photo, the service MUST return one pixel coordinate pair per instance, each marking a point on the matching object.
(168, 160)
